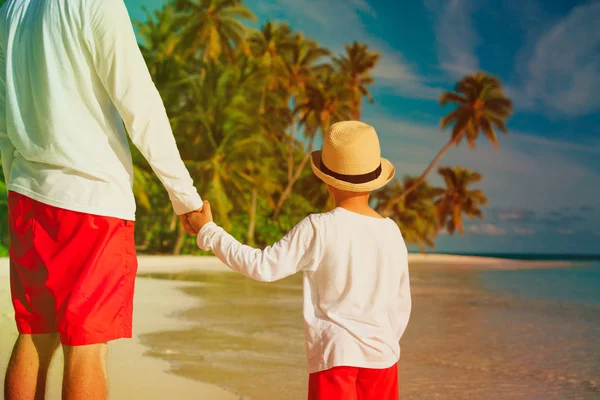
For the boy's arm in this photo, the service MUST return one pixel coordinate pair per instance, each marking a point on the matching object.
(296, 251)
(123, 71)
(6, 147)
(404, 302)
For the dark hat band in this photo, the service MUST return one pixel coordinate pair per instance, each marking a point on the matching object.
(364, 178)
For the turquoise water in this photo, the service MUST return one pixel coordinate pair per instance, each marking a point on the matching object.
(591, 258)
(578, 284)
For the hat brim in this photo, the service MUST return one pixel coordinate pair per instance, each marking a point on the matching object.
(387, 174)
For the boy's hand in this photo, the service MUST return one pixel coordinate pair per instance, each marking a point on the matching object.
(198, 219)
(186, 225)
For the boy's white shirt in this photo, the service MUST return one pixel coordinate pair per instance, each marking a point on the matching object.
(71, 72)
(356, 284)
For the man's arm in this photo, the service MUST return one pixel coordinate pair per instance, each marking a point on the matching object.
(6, 147)
(122, 69)
(297, 251)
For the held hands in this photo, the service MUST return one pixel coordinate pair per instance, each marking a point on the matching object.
(194, 221)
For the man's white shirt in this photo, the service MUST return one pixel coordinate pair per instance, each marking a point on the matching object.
(71, 73)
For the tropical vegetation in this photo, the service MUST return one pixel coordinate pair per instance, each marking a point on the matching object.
(248, 106)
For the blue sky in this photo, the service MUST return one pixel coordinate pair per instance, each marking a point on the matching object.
(544, 182)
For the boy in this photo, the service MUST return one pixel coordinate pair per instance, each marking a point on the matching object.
(356, 285)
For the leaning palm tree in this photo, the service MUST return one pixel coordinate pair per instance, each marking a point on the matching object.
(415, 214)
(214, 27)
(325, 103)
(357, 64)
(458, 199)
(482, 106)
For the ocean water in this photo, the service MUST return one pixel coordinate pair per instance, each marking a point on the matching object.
(579, 283)
(526, 334)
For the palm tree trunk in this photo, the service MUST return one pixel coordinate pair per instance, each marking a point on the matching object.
(173, 223)
(179, 241)
(356, 105)
(252, 223)
(291, 146)
(288, 189)
(263, 98)
(421, 178)
(356, 110)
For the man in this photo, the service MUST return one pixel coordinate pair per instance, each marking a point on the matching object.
(70, 73)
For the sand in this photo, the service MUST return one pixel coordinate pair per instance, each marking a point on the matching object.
(134, 374)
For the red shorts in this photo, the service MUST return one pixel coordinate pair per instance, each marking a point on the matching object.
(70, 273)
(353, 383)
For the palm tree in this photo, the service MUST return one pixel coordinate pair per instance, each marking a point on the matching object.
(215, 26)
(219, 117)
(260, 174)
(482, 105)
(301, 61)
(415, 214)
(160, 38)
(325, 102)
(268, 46)
(457, 199)
(357, 64)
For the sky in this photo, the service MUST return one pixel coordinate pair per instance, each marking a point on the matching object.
(543, 184)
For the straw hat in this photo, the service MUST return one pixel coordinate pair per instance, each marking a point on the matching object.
(351, 158)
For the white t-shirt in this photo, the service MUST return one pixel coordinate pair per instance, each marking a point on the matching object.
(356, 284)
(71, 73)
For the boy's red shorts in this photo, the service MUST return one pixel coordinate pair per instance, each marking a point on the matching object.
(353, 383)
(70, 273)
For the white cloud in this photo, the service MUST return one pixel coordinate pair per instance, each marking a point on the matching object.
(486, 229)
(564, 231)
(362, 5)
(456, 36)
(563, 72)
(524, 231)
(338, 22)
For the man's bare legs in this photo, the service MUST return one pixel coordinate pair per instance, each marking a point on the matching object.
(28, 367)
(85, 372)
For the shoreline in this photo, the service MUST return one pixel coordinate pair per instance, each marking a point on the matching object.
(167, 263)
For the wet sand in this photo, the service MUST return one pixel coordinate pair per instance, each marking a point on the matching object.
(463, 341)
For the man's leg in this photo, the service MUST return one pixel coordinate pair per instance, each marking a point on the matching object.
(28, 367)
(85, 372)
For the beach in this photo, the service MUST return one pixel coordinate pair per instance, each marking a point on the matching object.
(202, 332)
(132, 373)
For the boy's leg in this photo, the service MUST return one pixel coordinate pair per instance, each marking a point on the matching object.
(28, 366)
(334, 383)
(85, 372)
(378, 384)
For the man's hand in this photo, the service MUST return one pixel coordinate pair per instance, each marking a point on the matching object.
(198, 219)
(186, 224)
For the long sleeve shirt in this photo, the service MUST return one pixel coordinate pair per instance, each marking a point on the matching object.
(73, 83)
(356, 283)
